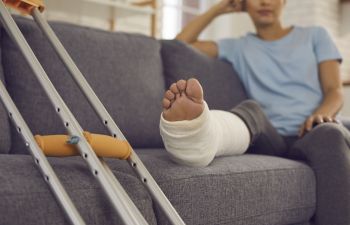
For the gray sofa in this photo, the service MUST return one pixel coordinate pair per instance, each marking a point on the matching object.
(130, 74)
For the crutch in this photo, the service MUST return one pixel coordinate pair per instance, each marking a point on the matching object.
(135, 162)
(119, 199)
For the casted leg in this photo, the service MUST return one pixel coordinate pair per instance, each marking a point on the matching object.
(326, 150)
(194, 135)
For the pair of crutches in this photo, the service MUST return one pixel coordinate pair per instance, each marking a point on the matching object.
(119, 199)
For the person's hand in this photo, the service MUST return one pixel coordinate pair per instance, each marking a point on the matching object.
(313, 121)
(228, 6)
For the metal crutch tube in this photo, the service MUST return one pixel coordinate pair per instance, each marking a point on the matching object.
(135, 162)
(128, 213)
(40, 159)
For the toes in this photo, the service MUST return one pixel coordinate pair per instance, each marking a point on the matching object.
(174, 88)
(181, 85)
(194, 90)
(169, 95)
(193, 80)
(166, 103)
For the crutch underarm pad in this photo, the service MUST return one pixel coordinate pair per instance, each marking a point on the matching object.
(25, 6)
(103, 145)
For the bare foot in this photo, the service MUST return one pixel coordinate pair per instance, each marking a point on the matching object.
(183, 100)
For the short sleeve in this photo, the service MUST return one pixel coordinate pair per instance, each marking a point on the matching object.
(325, 48)
(226, 48)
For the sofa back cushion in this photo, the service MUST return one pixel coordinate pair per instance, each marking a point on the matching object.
(222, 87)
(5, 136)
(125, 71)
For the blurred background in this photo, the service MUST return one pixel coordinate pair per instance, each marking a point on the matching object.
(163, 19)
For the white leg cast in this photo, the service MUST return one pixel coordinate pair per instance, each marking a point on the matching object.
(232, 133)
(196, 142)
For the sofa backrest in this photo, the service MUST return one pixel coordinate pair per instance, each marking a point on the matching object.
(125, 71)
(222, 87)
(5, 136)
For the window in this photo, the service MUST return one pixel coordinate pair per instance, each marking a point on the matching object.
(176, 14)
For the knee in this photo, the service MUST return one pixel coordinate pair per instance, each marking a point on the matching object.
(328, 130)
(251, 104)
(327, 139)
(250, 111)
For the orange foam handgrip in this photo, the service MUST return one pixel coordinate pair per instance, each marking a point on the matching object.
(56, 145)
(25, 6)
(107, 146)
(103, 145)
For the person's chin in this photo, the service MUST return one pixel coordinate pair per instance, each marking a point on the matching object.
(265, 22)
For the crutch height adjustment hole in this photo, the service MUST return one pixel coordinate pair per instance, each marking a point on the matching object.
(67, 124)
(96, 172)
(133, 164)
(144, 180)
(10, 114)
(114, 135)
(19, 129)
(105, 122)
(37, 161)
(85, 155)
(47, 178)
(58, 109)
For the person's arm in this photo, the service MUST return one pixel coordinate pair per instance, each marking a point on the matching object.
(332, 96)
(193, 29)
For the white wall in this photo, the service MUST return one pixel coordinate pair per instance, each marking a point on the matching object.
(346, 109)
(98, 16)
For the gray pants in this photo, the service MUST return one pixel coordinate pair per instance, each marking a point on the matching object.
(325, 149)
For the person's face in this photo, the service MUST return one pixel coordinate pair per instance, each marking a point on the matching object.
(264, 12)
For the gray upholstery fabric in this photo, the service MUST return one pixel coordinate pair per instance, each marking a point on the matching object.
(243, 190)
(26, 199)
(124, 70)
(222, 87)
(5, 137)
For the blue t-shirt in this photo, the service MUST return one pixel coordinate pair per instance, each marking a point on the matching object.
(282, 75)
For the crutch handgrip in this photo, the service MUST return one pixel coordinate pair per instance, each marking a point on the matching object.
(107, 146)
(25, 6)
(103, 145)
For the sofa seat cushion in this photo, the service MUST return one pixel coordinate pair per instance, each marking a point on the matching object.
(125, 71)
(25, 198)
(244, 190)
(222, 87)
